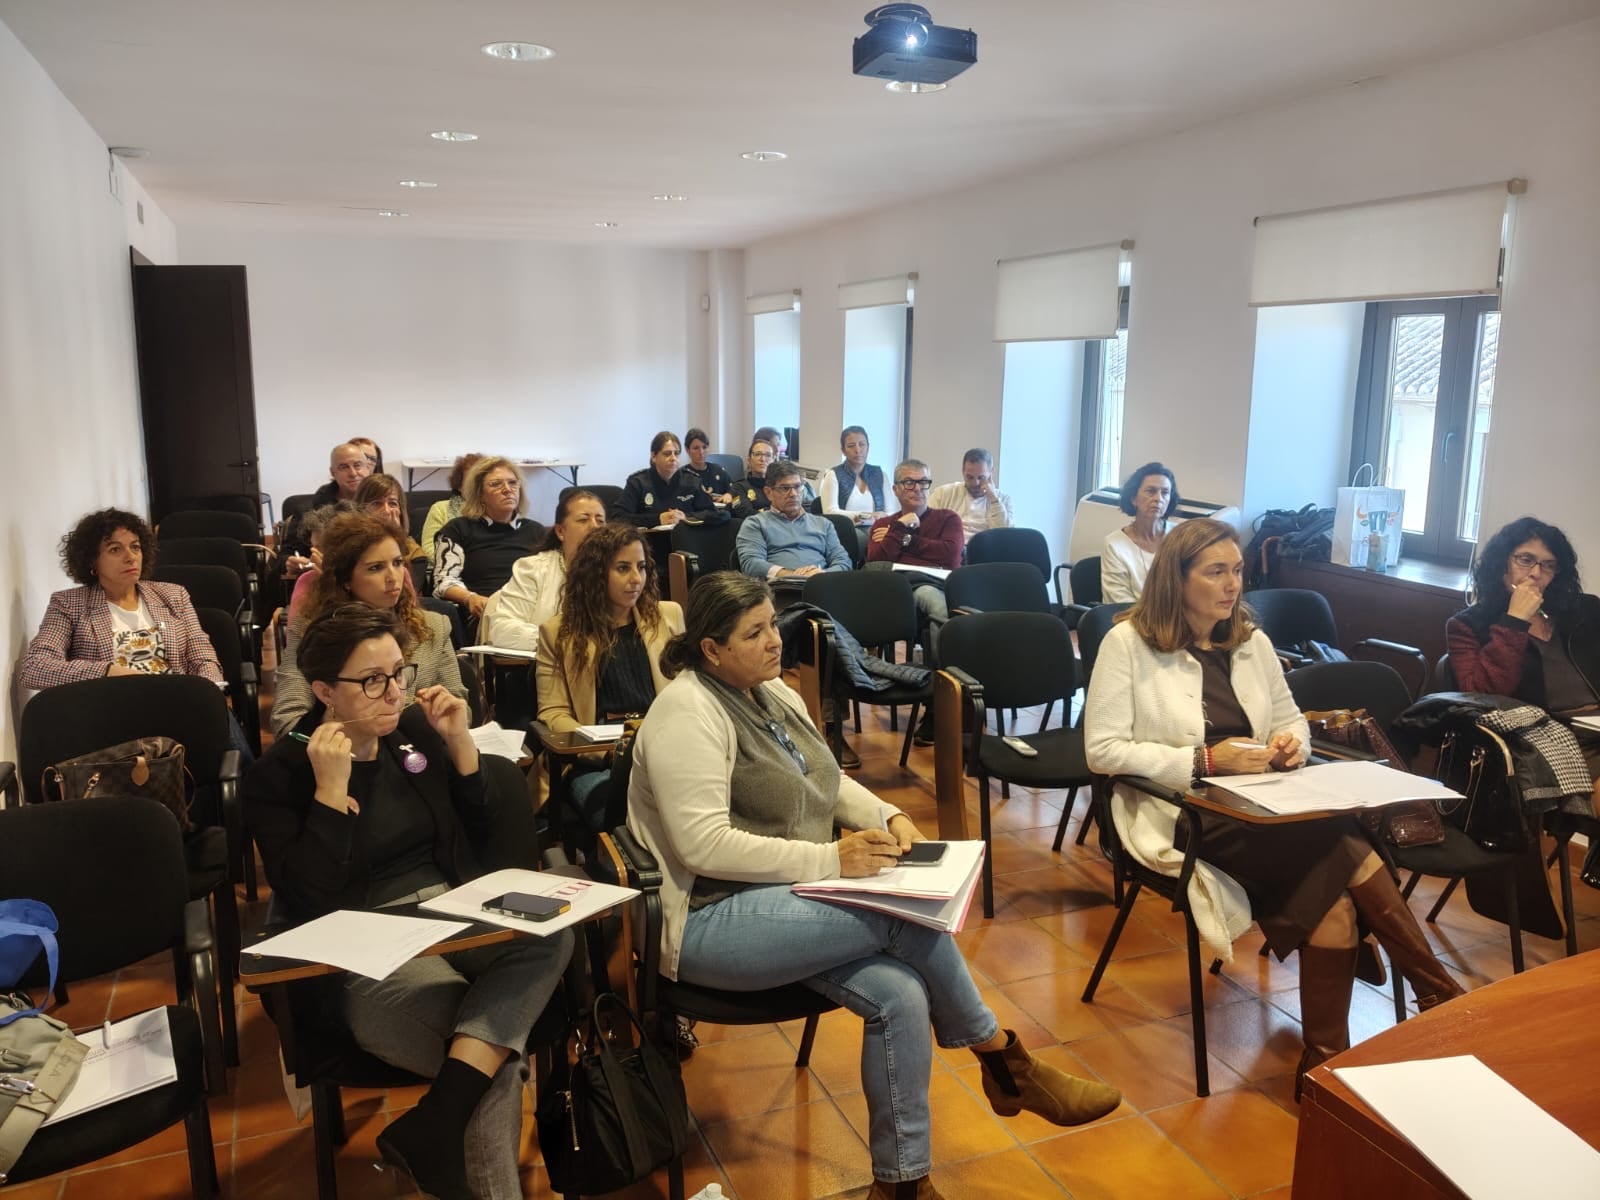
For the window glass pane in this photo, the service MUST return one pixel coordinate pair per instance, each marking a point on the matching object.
(1038, 422)
(1483, 364)
(1113, 376)
(1415, 351)
(874, 376)
(777, 369)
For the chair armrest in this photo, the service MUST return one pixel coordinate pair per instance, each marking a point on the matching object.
(1149, 787)
(683, 568)
(644, 872)
(1414, 662)
(1060, 569)
(10, 788)
(197, 938)
(232, 811)
(554, 859)
(965, 610)
(971, 694)
(248, 676)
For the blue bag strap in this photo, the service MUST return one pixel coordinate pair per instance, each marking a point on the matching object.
(30, 920)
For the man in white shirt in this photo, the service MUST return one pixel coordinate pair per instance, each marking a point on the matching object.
(975, 498)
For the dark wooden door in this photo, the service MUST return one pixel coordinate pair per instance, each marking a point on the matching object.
(196, 389)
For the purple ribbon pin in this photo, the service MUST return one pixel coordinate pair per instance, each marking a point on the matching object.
(415, 760)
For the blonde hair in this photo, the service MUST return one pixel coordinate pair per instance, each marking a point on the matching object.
(472, 486)
(1158, 615)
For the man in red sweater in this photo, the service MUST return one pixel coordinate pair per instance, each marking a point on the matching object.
(919, 536)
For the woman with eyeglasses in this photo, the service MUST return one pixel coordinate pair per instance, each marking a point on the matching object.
(362, 561)
(383, 497)
(600, 656)
(474, 554)
(734, 792)
(661, 494)
(370, 804)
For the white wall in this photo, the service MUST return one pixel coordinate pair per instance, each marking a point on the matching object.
(70, 438)
(1301, 406)
(434, 347)
(1530, 109)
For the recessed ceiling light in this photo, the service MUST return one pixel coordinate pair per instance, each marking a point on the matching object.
(452, 135)
(392, 212)
(669, 196)
(764, 155)
(418, 183)
(915, 89)
(519, 51)
(605, 224)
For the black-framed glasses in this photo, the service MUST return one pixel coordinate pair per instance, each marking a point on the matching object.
(784, 489)
(1528, 562)
(921, 485)
(787, 742)
(373, 687)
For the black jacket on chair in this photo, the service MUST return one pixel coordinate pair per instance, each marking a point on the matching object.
(315, 858)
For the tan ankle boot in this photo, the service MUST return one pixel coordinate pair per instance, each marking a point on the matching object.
(909, 1189)
(1014, 1080)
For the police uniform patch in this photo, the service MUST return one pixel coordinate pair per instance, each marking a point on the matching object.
(649, 497)
(751, 492)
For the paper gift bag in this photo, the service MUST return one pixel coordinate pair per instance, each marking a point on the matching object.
(1361, 512)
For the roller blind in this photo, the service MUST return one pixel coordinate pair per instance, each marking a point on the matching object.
(1438, 244)
(772, 302)
(1071, 294)
(870, 293)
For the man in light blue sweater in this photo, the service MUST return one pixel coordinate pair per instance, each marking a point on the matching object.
(785, 541)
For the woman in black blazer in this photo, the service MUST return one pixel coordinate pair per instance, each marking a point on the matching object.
(367, 804)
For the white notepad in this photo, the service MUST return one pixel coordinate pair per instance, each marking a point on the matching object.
(133, 1056)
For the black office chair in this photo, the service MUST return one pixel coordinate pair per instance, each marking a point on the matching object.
(1092, 629)
(607, 493)
(878, 609)
(700, 550)
(1015, 660)
(996, 587)
(236, 502)
(1084, 584)
(222, 552)
(1017, 545)
(426, 498)
(1293, 618)
(193, 523)
(113, 872)
(76, 718)
(244, 691)
(852, 537)
(211, 586)
(731, 463)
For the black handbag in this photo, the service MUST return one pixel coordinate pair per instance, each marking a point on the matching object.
(618, 1114)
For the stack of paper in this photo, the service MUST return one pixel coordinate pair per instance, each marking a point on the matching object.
(586, 897)
(599, 733)
(936, 572)
(506, 743)
(1333, 786)
(124, 1059)
(1589, 722)
(373, 944)
(937, 896)
(501, 652)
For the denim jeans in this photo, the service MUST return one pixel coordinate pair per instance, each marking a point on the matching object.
(895, 975)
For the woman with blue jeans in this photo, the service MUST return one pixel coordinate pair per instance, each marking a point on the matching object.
(734, 791)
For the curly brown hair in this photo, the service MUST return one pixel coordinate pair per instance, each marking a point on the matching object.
(344, 540)
(80, 546)
(587, 633)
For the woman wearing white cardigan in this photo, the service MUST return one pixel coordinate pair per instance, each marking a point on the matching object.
(1184, 687)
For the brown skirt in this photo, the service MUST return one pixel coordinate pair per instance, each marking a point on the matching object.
(1293, 872)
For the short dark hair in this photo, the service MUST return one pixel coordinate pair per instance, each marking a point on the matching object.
(564, 502)
(378, 487)
(716, 603)
(781, 470)
(1494, 556)
(80, 546)
(695, 435)
(328, 641)
(978, 454)
(769, 434)
(662, 438)
(1131, 486)
(848, 430)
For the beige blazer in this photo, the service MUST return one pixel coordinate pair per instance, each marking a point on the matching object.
(566, 699)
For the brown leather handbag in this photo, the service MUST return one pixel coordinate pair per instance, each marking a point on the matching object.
(1412, 823)
(149, 767)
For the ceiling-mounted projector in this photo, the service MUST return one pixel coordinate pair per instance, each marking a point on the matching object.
(902, 43)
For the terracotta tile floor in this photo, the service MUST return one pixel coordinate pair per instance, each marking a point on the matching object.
(767, 1132)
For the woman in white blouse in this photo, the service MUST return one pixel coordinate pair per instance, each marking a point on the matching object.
(1149, 494)
(533, 593)
(855, 486)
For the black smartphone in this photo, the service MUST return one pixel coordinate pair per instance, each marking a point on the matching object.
(923, 854)
(527, 906)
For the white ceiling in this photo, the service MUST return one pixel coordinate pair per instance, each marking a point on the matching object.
(304, 114)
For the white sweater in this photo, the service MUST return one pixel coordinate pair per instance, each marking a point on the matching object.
(678, 806)
(1143, 716)
(530, 598)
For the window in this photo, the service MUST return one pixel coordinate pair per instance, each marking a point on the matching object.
(1424, 399)
(1038, 425)
(777, 368)
(877, 376)
(1105, 370)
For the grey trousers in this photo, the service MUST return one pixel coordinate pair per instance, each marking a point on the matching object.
(494, 993)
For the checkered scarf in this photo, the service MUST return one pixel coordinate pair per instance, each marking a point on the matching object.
(1549, 763)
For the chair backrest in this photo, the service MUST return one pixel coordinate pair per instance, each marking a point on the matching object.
(208, 523)
(852, 541)
(1021, 658)
(731, 463)
(606, 493)
(877, 607)
(1290, 616)
(513, 836)
(236, 502)
(417, 515)
(212, 551)
(208, 585)
(426, 498)
(1084, 581)
(1092, 630)
(223, 630)
(452, 612)
(76, 718)
(298, 505)
(111, 869)
(1374, 686)
(997, 587)
(1011, 545)
(1442, 678)
(712, 544)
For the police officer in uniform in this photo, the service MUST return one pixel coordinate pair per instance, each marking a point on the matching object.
(750, 493)
(661, 494)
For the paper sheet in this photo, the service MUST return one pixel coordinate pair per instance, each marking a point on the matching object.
(500, 652)
(936, 572)
(138, 1059)
(939, 882)
(1591, 723)
(1489, 1139)
(368, 943)
(1333, 786)
(599, 733)
(586, 896)
(491, 739)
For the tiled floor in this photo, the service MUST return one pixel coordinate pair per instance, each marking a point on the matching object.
(766, 1131)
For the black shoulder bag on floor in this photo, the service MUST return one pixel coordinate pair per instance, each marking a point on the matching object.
(618, 1115)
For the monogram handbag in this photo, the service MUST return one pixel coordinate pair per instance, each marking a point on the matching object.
(618, 1114)
(1413, 823)
(150, 768)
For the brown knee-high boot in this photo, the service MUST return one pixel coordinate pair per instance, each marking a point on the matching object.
(1327, 975)
(910, 1189)
(1395, 926)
